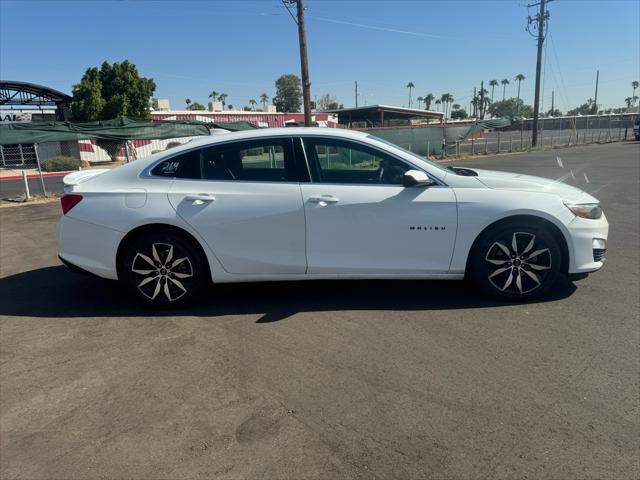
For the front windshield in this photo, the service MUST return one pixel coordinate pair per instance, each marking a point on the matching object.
(409, 152)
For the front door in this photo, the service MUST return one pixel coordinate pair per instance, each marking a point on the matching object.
(361, 220)
(244, 200)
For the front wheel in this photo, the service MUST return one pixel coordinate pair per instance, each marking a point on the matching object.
(515, 261)
(163, 269)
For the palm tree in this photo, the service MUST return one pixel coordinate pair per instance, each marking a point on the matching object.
(446, 98)
(264, 98)
(222, 97)
(420, 100)
(410, 85)
(213, 95)
(438, 102)
(628, 101)
(428, 98)
(455, 106)
(253, 104)
(493, 84)
(188, 102)
(504, 83)
(635, 85)
(519, 78)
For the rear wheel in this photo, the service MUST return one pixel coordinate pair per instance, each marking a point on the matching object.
(515, 261)
(163, 269)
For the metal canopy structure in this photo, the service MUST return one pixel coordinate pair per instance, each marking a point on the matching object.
(13, 93)
(382, 115)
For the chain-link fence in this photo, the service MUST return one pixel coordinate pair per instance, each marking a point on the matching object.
(450, 140)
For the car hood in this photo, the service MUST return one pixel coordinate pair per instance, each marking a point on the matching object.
(529, 183)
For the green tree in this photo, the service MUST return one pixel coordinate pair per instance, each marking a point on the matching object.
(410, 86)
(214, 95)
(188, 102)
(113, 90)
(428, 98)
(288, 93)
(628, 101)
(223, 98)
(588, 108)
(438, 102)
(446, 99)
(493, 84)
(420, 100)
(196, 106)
(504, 83)
(106, 93)
(519, 78)
(459, 113)
(511, 108)
(88, 102)
(264, 98)
(253, 104)
(635, 85)
(328, 102)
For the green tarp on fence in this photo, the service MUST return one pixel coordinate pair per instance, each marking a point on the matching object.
(430, 140)
(121, 128)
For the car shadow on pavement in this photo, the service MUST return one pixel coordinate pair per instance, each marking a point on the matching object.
(58, 292)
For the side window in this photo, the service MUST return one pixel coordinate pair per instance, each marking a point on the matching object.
(266, 160)
(186, 165)
(339, 161)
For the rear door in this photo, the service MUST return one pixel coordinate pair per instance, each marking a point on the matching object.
(244, 199)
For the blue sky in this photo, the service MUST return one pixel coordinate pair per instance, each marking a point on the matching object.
(241, 47)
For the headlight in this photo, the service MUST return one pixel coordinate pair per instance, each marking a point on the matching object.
(592, 211)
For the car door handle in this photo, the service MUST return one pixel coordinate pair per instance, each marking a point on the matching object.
(200, 198)
(323, 199)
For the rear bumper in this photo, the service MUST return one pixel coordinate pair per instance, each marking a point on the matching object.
(583, 232)
(88, 247)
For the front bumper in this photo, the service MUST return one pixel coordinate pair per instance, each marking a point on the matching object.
(584, 257)
(87, 246)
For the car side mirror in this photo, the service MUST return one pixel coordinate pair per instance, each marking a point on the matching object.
(416, 178)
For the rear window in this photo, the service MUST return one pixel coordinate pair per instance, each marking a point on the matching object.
(185, 165)
(264, 160)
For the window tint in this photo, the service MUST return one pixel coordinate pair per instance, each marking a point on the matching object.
(339, 161)
(258, 160)
(268, 160)
(186, 165)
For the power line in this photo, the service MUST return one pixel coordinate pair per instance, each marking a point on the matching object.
(286, 5)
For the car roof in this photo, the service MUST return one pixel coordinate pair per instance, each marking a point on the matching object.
(271, 132)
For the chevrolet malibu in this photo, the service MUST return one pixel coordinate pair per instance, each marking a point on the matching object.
(309, 203)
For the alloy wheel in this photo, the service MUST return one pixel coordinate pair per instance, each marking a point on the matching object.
(518, 265)
(162, 273)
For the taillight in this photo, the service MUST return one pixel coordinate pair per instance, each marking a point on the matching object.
(69, 201)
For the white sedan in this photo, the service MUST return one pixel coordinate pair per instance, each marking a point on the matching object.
(309, 203)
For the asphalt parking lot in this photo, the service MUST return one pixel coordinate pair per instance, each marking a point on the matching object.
(322, 380)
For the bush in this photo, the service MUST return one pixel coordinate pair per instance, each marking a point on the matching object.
(60, 164)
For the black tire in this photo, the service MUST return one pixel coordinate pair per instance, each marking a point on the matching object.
(500, 271)
(164, 269)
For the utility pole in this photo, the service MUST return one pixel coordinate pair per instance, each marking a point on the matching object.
(482, 100)
(356, 93)
(475, 103)
(595, 100)
(539, 22)
(552, 103)
(304, 63)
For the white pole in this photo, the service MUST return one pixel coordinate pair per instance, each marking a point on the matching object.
(26, 184)
(35, 149)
